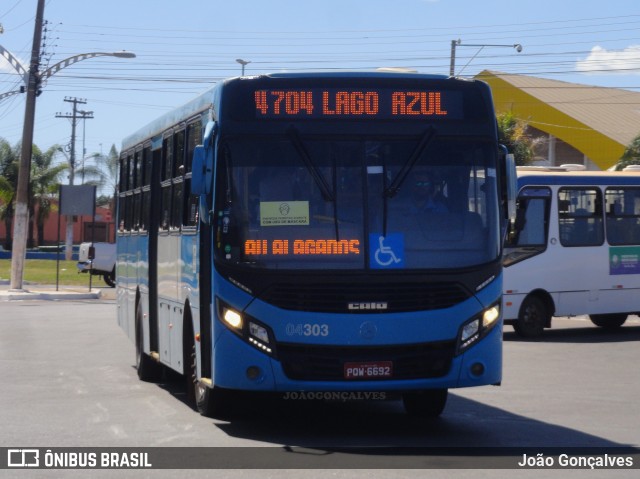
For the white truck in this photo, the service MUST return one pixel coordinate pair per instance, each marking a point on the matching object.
(98, 259)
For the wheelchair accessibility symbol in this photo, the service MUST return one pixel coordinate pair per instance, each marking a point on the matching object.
(386, 251)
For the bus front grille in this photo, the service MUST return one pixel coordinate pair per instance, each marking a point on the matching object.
(326, 363)
(337, 297)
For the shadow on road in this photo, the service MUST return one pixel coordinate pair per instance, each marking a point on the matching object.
(465, 423)
(587, 334)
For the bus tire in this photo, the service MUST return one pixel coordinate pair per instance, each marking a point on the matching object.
(608, 321)
(534, 316)
(209, 402)
(426, 404)
(212, 402)
(148, 369)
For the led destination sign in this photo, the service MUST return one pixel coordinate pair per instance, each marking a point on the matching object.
(317, 103)
(302, 247)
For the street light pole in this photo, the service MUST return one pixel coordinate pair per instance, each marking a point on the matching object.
(21, 216)
(242, 62)
(33, 79)
(458, 42)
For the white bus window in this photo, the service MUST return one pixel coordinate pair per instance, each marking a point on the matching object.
(533, 231)
(623, 216)
(580, 217)
(529, 236)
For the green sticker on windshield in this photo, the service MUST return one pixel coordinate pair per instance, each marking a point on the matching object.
(284, 213)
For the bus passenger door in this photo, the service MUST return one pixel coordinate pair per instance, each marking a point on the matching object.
(580, 272)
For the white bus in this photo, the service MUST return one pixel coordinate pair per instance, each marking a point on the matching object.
(575, 249)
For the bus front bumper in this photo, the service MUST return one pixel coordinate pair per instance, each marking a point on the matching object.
(253, 370)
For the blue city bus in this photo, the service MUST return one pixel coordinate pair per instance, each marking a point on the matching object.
(318, 232)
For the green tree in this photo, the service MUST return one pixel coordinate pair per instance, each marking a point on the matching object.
(631, 155)
(512, 133)
(43, 187)
(43, 183)
(104, 174)
(9, 162)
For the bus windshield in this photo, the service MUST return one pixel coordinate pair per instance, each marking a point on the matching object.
(358, 203)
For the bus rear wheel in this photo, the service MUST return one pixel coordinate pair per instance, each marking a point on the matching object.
(533, 318)
(426, 404)
(608, 321)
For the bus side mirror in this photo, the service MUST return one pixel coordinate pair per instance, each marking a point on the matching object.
(512, 186)
(202, 164)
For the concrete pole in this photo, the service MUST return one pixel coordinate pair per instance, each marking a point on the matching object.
(452, 63)
(74, 117)
(21, 217)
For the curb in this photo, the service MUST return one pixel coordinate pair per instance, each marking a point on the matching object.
(27, 295)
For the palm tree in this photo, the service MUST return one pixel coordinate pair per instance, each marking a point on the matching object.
(9, 162)
(43, 187)
(104, 175)
(631, 155)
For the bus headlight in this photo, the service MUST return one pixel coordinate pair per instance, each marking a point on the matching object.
(476, 328)
(249, 329)
(258, 332)
(232, 318)
(469, 331)
(491, 316)
(259, 337)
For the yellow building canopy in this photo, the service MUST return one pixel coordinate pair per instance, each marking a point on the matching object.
(599, 122)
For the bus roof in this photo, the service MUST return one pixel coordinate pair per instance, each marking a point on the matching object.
(205, 100)
(574, 178)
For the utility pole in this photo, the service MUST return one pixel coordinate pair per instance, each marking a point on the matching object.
(33, 80)
(74, 116)
(21, 217)
(85, 115)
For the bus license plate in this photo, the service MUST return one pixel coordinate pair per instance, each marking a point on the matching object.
(368, 370)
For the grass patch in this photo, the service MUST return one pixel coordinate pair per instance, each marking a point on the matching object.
(43, 271)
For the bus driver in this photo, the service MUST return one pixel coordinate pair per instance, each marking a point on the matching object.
(425, 194)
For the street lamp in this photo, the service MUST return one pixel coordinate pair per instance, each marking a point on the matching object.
(82, 56)
(242, 62)
(454, 43)
(33, 79)
(10, 93)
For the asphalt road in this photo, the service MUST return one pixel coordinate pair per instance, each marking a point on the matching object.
(68, 380)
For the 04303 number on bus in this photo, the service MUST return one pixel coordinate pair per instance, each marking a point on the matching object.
(307, 329)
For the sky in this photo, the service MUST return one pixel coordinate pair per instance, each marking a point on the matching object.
(183, 48)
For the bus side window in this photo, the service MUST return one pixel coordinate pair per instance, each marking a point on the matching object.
(623, 216)
(532, 223)
(581, 224)
(533, 231)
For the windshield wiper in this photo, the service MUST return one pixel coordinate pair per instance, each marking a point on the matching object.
(395, 185)
(294, 136)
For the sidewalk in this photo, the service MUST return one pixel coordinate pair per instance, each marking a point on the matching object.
(48, 292)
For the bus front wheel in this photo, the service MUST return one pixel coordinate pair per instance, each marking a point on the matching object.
(533, 317)
(210, 402)
(428, 404)
(608, 321)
